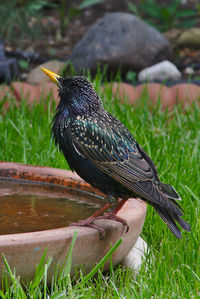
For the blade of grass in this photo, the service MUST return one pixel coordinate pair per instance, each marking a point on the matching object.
(146, 143)
(193, 273)
(14, 280)
(102, 262)
(45, 280)
(68, 260)
(59, 294)
(40, 270)
(14, 126)
(190, 191)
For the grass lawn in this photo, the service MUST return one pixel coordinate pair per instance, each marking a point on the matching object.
(172, 139)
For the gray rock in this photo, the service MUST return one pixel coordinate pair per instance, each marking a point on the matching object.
(159, 72)
(189, 38)
(136, 256)
(120, 40)
(189, 70)
(8, 66)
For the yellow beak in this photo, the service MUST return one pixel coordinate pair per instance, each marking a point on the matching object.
(54, 77)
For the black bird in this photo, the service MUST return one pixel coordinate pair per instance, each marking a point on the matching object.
(104, 153)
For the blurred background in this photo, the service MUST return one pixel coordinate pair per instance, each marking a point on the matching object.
(35, 31)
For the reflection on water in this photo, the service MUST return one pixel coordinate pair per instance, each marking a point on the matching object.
(29, 207)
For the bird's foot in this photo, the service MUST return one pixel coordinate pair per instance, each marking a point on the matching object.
(89, 223)
(113, 216)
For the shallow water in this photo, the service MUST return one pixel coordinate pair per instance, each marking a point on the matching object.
(26, 207)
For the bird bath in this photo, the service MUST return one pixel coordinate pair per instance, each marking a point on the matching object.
(37, 204)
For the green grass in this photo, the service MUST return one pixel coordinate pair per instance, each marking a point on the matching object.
(172, 140)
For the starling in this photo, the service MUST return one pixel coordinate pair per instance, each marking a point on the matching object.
(105, 154)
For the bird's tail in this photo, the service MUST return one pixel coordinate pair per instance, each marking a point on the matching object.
(172, 212)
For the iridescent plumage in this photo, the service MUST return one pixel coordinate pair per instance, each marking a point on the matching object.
(104, 153)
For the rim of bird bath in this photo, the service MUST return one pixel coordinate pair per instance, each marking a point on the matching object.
(23, 251)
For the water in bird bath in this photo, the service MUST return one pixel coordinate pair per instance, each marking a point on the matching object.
(29, 207)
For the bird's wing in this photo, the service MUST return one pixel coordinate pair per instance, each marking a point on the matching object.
(112, 148)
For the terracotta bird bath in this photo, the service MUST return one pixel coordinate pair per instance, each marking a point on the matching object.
(23, 246)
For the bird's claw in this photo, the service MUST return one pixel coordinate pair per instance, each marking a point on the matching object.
(89, 223)
(113, 216)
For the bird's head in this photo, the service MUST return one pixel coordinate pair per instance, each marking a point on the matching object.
(76, 94)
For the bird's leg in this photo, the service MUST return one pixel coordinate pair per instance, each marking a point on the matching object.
(112, 215)
(89, 221)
